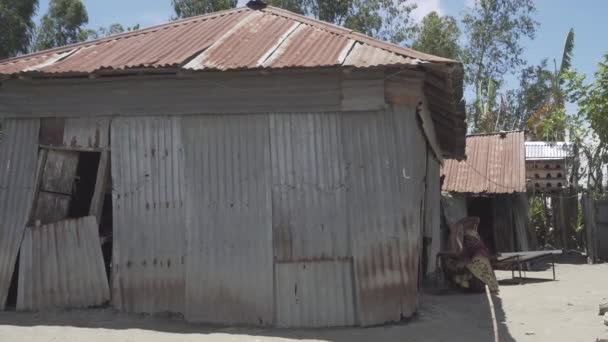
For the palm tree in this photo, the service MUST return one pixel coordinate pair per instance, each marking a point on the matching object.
(549, 120)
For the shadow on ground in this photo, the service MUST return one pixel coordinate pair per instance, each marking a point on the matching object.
(450, 317)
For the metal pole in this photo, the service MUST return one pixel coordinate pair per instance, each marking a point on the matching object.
(519, 267)
(553, 264)
(493, 312)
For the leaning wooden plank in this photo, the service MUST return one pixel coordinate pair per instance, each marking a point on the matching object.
(100, 186)
(64, 262)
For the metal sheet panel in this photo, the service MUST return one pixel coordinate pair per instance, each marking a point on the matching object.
(229, 253)
(385, 187)
(309, 46)
(432, 211)
(364, 55)
(502, 223)
(148, 209)
(495, 164)
(243, 46)
(61, 266)
(86, 132)
(27, 63)
(315, 294)
(308, 187)
(600, 233)
(541, 150)
(18, 159)
(161, 46)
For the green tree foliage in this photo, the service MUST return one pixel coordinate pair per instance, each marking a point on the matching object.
(189, 8)
(62, 25)
(549, 119)
(588, 128)
(438, 36)
(16, 26)
(305, 7)
(593, 98)
(388, 20)
(111, 30)
(494, 30)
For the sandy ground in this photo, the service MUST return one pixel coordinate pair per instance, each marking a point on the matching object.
(565, 310)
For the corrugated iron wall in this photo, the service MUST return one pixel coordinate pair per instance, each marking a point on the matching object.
(502, 217)
(86, 132)
(310, 229)
(148, 209)
(229, 276)
(308, 187)
(337, 198)
(385, 180)
(432, 213)
(18, 159)
(315, 294)
(61, 266)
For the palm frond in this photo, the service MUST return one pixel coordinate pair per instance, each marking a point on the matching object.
(567, 54)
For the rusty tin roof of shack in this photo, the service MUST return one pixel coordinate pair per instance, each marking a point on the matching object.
(241, 38)
(250, 38)
(495, 164)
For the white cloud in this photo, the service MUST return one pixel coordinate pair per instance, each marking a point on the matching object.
(470, 3)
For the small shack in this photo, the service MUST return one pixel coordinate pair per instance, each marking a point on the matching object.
(491, 184)
(250, 166)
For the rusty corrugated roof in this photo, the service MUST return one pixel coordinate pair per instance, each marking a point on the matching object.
(495, 164)
(242, 38)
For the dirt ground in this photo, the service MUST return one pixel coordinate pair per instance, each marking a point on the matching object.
(565, 310)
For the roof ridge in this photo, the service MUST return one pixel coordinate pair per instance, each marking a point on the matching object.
(123, 35)
(357, 36)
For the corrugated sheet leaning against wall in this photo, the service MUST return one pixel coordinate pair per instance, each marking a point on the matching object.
(229, 276)
(18, 158)
(148, 208)
(61, 266)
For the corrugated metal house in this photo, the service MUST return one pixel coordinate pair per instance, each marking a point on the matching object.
(250, 166)
(491, 184)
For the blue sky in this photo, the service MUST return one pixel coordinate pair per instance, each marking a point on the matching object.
(588, 17)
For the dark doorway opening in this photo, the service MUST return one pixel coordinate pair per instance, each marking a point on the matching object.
(11, 299)
(482, 207)
(84, 184)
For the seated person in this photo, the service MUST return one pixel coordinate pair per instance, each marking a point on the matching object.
(468, 266)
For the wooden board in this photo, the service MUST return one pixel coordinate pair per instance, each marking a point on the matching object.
(51, 207)
(59, 172)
